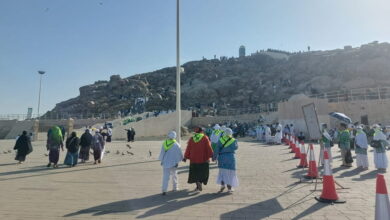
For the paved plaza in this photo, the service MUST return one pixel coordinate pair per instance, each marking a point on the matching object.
(127, 186)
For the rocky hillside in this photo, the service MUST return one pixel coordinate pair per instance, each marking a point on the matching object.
(237, 82)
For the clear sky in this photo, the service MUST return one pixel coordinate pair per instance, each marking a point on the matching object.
(78, 42)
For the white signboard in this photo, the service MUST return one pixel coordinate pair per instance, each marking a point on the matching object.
(29, 113)
(311, 119)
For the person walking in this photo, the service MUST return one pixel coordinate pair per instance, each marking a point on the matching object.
(379, 144)
(170, 156)
(23, 147)
(215, 135)
(54, 143)
(73, 146)
(98, 146)
(85, 143)
(225, 154)
(361, 145)
(199, 152)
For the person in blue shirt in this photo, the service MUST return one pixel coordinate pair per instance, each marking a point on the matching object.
(225, 154)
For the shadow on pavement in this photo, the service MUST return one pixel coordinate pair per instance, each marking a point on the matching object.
(44, 171)
(160, 204)
(350, 173)
(259, 210)
(369, 175)
(8, 164)
(268, 207)
(315, 207)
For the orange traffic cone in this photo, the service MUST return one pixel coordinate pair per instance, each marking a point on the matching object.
(303, 162)
(382, 204)
(312, 172)
(329, 194)
(292, 145)
(297, 150)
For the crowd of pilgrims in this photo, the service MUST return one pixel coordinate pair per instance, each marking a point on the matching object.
(77, 148)
(218, 144)
(357, 137)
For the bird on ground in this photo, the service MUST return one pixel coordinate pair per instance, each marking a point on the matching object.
(117, 152)
(150, 153)
(128, 145)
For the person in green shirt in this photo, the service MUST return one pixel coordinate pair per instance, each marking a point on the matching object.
(344, 143)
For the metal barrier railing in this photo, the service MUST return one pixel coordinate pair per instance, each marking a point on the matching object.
(355, 94)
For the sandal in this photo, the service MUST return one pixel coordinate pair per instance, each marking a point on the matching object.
(222, 189)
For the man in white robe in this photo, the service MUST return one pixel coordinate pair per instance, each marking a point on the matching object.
(361, 144)
(268, 137)
(170, 156)
(279, 134)
(380, 157)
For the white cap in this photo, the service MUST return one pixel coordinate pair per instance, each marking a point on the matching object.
(216, 126)
(228, 132)
(172, 135)
(375, 126)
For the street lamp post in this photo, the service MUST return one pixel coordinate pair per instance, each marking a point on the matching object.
(178, 70)
(40, 88)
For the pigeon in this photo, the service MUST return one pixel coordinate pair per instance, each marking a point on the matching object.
(117, 152)
(123, 154)
(127, 145)
(128, 152)
(150, 153)
(46, 155)
(9, 151)
(107, 152)
(5, 152)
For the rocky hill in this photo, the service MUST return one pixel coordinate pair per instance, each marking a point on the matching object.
(243, 82)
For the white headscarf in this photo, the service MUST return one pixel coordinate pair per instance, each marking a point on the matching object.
(216, 126)
(172, 135)
(228, 132)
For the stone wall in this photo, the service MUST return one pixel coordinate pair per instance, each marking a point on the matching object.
(5, 127)
(377, 111)
(153, 126)
(290, 112)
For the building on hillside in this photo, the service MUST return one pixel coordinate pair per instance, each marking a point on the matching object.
(241, 51)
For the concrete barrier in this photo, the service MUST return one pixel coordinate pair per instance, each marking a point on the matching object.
(153, 126)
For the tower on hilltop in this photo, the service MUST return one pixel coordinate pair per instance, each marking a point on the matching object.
(241, 51)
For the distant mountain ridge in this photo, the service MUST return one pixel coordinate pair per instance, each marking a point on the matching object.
(263, 77)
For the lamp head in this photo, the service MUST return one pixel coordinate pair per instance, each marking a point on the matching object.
(41, 72)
